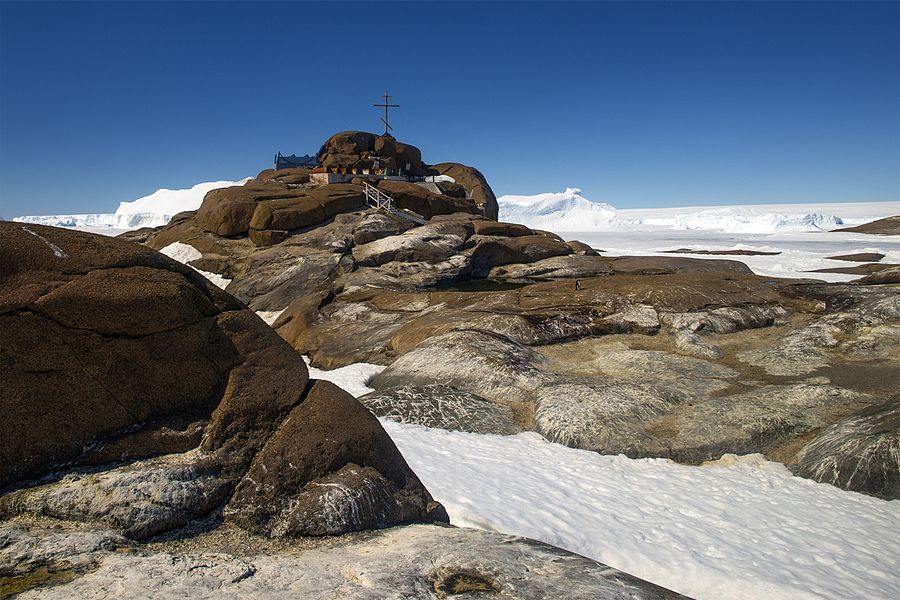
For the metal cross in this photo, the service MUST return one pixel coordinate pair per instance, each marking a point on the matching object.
(386, 106)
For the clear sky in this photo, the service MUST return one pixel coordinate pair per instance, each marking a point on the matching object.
(638, 104)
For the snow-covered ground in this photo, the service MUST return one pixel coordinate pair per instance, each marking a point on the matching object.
(149, 211)
(742, 527)
(800, 232)
(570, 211)
(800, 252)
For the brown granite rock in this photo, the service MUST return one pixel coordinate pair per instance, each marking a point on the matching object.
(475, 183)
(314, 478)
(491, 252)
(116, 357)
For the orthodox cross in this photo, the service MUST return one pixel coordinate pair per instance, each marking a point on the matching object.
(387, 104)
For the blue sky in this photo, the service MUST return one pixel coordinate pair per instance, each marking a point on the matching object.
(638, 104)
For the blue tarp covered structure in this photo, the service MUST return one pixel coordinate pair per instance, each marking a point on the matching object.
(292, 161)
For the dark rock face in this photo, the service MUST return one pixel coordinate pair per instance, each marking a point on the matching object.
(112, 353)
(864, 269)
(859, 453)
(476, 186)
(312, 478)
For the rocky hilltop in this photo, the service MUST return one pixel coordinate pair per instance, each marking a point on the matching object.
(507, 328)
(160, 439)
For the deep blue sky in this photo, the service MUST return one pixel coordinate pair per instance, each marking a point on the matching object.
(638, 104)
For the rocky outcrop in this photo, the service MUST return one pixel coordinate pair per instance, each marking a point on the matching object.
(476, 186)
(419, 561)
(859, 257)
(360, 149)
(859, 453)
(489, 252)
(312, 478)
(113, 353)
(885, 226)
(420, 200)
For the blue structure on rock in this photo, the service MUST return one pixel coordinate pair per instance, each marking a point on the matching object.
(293, 161)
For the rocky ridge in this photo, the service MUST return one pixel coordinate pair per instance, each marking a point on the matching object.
(156, 432)
(685, 358)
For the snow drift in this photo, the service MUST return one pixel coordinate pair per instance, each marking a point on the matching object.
(149, 211)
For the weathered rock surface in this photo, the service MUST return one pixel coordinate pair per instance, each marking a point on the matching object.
(859, 453)
(419, 561)
(112, 353)
(489, 252)
(312, 478)
(863, 269)
(476, 186)
(418, 199)
(443, 407)
(436, 241)
(883, 277)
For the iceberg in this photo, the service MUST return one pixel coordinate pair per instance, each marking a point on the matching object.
(557, 211)
(153, 210)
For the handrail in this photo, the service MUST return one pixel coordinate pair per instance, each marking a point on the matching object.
(378, 199)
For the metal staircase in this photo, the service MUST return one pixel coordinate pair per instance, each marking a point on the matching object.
(378, 199)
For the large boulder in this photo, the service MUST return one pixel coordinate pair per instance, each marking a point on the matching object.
(433, 242)
(360, 149)
(314, 477)
(112, 353)
(228, 211)
(475, 183)
(492, 251)
(420, 200)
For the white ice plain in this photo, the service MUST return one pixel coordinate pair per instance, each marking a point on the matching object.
(741, 527)
(799, 233)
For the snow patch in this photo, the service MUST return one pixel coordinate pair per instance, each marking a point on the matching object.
(185, 253)
(352, 378)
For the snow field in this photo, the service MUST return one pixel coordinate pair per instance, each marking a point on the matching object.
(570, 211)
(741, 527)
